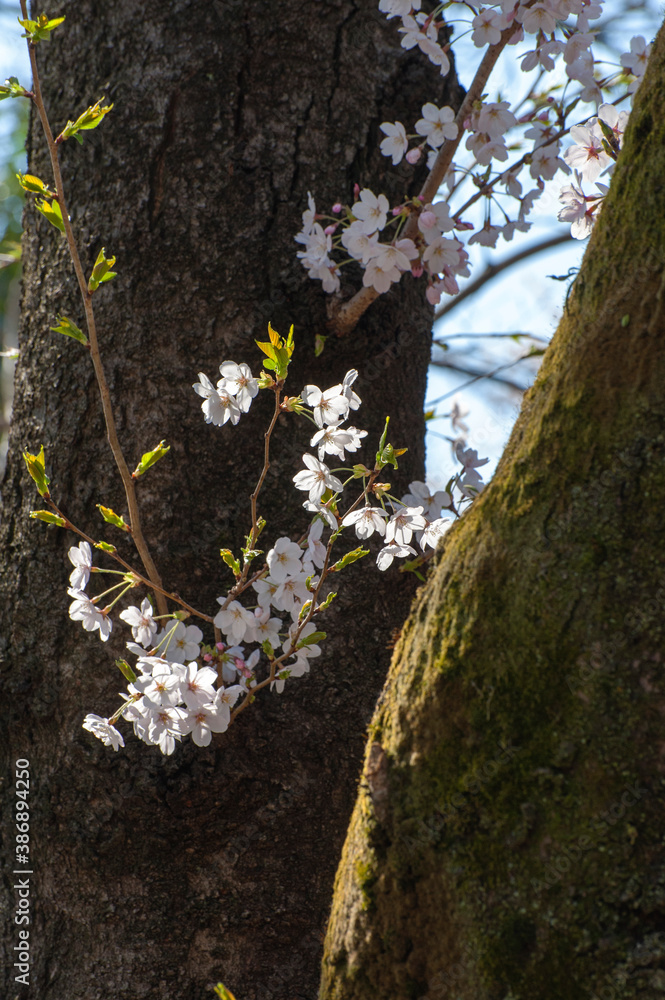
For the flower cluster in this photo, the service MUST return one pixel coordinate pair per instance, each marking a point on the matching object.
(234, 393)
(595, 150)
(428, 237)
(265, 628)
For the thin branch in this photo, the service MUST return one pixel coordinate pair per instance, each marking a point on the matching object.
(477, 378)
(86, 296)
(479, 375)
(492, 270)
(487, 336)
(69, 526)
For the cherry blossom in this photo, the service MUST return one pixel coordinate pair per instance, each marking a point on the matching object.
(437, 125)
(396, 143)
(587, 156)
(81, 560)
(371, 211)
(578, 210)
(403, 523)
(238, 380)
(487, 27)
(420, 495)
(183, 643)
(329, 407)
(234, 620)
(142, 623)
(83, 610)
(317, 480)
(337, 441)
(635, 61)
(197, 686)
(398, 8)
(434, 532)
(366, 521)
(284, 559)
(104, 731)
(218, 406)
(393, 551)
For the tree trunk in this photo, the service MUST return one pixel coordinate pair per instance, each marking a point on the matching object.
(156, 877)
(507, 838)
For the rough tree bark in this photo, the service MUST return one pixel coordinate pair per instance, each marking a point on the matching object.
(155, 877)
(507, 839)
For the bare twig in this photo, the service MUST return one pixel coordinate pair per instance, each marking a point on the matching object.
(478, 377)
(492, 270)
(86, 296)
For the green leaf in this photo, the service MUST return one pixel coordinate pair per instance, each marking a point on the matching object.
(36, 468)
(278, 352)
(48, 518)
(305, 609)
(328, 601)
(319, 344)
(111, 517)
(33, 184)
(91, 118)
(126, 670)
(12, 88)
(267, 649)
(150, 458)
(105, 546)
(388, 455)
(353, 556)
(101, 271)
(311, 640)
(69, 329)
(51, 211)
(223, 993)
(230, 561)
(39, 30)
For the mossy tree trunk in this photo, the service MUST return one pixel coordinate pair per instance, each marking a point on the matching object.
(507, 840)
(156, 877)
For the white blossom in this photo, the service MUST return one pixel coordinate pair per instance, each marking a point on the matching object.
(437, 125)
(83, 610)
(371, 211)
(104, 731)
(284, 559)
(81, 560)
(234, 620)
(238, 380)
(403, 523)
(392, 551)
(366, 521)
(142, 623)
(396, 143)
(218, 406)
(317, 479)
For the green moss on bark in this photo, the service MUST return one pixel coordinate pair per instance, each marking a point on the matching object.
(520, 856)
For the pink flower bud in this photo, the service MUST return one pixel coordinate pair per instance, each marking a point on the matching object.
(417, 269)
(397, 210)
(413, 155)
(356, 191)
(329, 230)
(433, 294)
(427, 220)
(220, 646)
(337, 208)
(207, 657)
